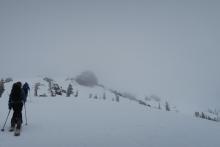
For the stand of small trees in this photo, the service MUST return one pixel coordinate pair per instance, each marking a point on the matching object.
(205, 116)
(56, 89)
(215, 111)
(7, 80)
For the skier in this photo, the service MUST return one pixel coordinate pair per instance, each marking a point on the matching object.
(16, 100)
(26, 88)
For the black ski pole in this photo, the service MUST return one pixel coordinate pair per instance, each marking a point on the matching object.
(3, 128)
(25, 114)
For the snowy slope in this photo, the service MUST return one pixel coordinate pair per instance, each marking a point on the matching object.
(82, 121)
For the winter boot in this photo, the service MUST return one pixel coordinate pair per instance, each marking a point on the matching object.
(12, 128)
(17, 132)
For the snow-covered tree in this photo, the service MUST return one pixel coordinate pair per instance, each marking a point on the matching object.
(69, 90)
(95, 97)
(57, 89)
(117, 98)
(50, 83)
(77, 93)
(167, 106)
(159, 107)
(104, 96)
(36, 88)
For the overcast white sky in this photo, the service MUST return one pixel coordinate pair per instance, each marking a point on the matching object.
(170, 48)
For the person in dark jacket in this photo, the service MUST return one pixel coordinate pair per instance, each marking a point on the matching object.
(16, 101)
(26, 89)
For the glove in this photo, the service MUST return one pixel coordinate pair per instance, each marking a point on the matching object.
(9, 106)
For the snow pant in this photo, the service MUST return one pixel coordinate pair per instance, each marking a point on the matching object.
(17, 115)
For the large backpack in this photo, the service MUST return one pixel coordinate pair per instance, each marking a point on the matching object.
(16, 93)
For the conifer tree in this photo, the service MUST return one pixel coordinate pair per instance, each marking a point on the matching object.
(69, 90)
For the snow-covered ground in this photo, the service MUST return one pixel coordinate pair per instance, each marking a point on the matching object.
(87, 122)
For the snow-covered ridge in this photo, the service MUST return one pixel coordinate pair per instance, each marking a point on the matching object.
(89, 120)
(51, 87)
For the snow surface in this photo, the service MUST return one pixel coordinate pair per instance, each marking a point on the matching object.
(87, 122)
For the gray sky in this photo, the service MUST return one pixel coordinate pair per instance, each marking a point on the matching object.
(168, 48)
